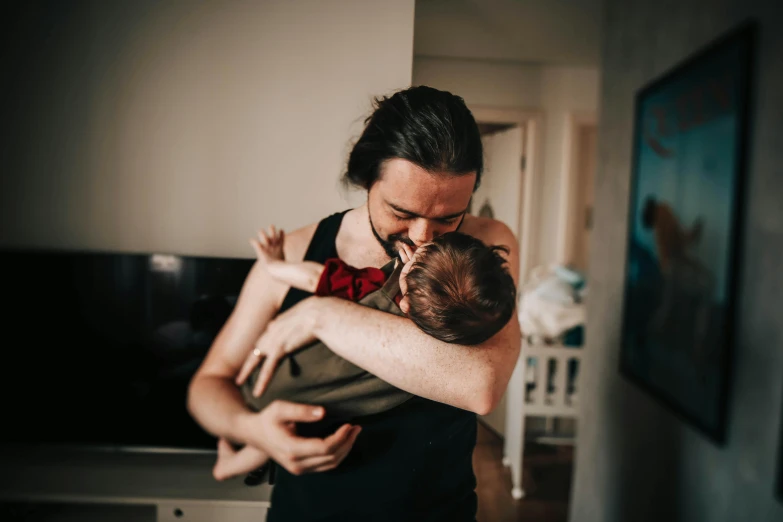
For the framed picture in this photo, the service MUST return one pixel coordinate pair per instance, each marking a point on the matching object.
(685, 220)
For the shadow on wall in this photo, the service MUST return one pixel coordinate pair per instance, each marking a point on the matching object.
(649, 452)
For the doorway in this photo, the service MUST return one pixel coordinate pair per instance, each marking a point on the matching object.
(578, 191)
(500, 197)
(511, 151)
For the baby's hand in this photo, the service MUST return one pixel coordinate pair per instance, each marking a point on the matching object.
(407, 256)
(269, 245)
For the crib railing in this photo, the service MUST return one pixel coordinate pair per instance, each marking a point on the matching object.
(549, 390)
(544, 384)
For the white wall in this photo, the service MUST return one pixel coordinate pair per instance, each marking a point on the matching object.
(555, 91)
(635, 459)
(182, 127)
(564, 90)
(481, 83)
(543, 31)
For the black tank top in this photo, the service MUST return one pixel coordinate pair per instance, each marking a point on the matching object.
(413, 462)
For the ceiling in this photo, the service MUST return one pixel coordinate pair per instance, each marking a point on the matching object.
(554, 32)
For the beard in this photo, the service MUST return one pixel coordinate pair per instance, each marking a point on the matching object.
(390, 244)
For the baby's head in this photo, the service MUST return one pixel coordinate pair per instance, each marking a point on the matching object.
(458, 290)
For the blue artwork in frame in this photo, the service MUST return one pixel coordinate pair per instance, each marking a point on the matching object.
(690, 134)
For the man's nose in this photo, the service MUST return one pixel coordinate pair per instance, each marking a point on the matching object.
(423, 231)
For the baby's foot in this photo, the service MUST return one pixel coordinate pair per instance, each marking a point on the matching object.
(269, 245)
(225, 451)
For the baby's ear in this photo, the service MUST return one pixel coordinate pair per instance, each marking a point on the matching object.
(404, 305)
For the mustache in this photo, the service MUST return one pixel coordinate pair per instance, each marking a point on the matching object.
(401, 239)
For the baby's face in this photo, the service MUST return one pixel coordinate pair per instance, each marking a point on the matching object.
(409, 258)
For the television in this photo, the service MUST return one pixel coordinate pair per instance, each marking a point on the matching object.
(99, 347)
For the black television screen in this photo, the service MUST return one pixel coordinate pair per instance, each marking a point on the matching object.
(99, 348)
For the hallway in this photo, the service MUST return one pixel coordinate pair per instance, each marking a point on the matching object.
(547, 482)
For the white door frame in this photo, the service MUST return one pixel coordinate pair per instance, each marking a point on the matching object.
(532, 121)
(568, 180)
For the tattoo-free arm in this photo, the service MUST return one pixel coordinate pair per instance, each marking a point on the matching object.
(396, 350)
(214, 400)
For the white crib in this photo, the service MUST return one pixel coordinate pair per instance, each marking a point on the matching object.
(550, 398)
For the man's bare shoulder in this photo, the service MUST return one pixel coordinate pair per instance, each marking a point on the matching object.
(490, 231)
(494, 233)
(296, 242)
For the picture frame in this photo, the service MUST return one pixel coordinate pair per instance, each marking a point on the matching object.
(688, 175)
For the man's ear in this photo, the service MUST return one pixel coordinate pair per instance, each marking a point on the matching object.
(404, 305)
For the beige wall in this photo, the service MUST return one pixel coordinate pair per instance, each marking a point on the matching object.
(182, 127)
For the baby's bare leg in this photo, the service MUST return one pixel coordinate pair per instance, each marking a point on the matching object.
(231, 462)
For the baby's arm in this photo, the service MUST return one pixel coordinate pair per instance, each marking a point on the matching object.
(231, 462)
(304, 275)
(269, 250)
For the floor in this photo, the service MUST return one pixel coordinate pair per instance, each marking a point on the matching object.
(546, 480)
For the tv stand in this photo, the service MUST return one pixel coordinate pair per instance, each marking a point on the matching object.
(175, 486)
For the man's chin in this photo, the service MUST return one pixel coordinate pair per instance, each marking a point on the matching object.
(398, 245)
(391, 251)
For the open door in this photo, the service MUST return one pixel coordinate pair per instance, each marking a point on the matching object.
(500, 192)
(500, 196)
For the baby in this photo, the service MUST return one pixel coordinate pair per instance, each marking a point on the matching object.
(455, 288)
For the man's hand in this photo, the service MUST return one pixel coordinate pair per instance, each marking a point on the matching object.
(273, 430)
(269, 245)
(286, 333)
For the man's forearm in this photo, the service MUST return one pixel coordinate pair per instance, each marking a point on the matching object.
(394, 349)
(217, 405)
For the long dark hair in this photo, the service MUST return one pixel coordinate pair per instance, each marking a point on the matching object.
(431, 128)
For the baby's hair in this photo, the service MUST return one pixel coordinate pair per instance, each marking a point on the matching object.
(460, 290)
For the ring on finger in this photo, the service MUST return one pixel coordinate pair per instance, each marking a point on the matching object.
(257, 351)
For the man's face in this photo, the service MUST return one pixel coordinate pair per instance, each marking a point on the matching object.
(410, 205)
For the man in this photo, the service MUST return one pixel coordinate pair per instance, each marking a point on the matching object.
(420, 159)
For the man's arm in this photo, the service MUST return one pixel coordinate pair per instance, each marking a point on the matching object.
(393, 348)
(214, 400)
(216, 404)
